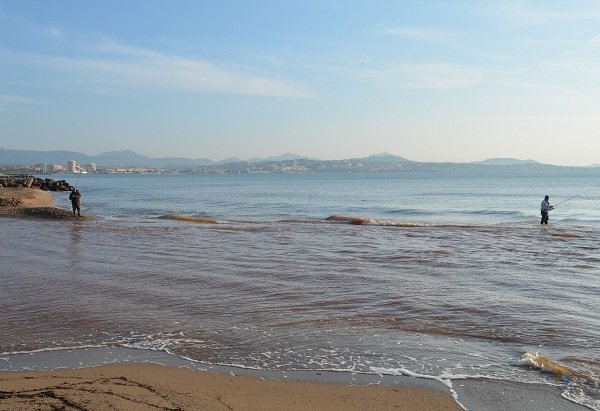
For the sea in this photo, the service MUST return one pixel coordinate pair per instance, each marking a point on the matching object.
(442, 276)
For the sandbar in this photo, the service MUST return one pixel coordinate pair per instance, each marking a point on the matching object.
(32, 202)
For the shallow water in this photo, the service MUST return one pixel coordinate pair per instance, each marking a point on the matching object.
(436, 277)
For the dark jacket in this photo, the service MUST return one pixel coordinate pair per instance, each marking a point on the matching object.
(75, 198)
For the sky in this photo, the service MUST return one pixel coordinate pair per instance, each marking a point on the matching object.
(431, 80)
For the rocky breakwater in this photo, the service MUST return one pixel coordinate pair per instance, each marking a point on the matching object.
(46, 184)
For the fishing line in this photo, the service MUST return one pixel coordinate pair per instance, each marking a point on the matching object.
(77, 182)
(570, 198)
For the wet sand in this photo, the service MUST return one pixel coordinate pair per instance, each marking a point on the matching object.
(151, 386)
(32, 202)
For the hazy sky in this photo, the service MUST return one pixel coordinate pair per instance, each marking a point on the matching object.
(427, 80)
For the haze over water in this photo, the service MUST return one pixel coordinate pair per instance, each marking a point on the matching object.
(441, 277)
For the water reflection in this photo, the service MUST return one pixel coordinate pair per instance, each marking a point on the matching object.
(74, 244)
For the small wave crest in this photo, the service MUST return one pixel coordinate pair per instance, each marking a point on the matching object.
(564, 235)
(188, 218)
(350, 220)
(368, 221)
(540, 363)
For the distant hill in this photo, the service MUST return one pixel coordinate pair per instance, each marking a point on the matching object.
(281, 157)
(22, 157)
(385, 157)
(285, 163)
(506, 162)
(124, 158)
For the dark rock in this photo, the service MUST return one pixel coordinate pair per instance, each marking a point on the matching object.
(46, 184)
(10, 202)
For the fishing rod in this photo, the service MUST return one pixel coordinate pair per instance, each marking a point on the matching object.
(77, 182)
(570, 198)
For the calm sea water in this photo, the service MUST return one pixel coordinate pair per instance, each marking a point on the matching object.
(445, 277)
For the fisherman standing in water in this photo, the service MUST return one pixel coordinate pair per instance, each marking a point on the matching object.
(544, 209)
(75, 198)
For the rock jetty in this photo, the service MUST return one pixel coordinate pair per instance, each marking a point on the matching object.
(46, 184)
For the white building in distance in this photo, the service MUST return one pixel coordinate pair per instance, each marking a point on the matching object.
(71, 166)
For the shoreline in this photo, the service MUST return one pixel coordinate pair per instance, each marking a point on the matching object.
(187, 383)
(132, 379)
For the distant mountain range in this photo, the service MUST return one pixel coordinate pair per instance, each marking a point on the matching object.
(505, 162)
(124, 158)
(282, 163)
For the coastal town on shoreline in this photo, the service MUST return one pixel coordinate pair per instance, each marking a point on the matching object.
(91, 168)
(380, 163)
(372, 164)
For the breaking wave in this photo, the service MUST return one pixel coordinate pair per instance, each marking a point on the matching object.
(188, 218)
(580, 382)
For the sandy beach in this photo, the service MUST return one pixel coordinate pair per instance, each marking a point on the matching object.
(31, 202)
(151, 387)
